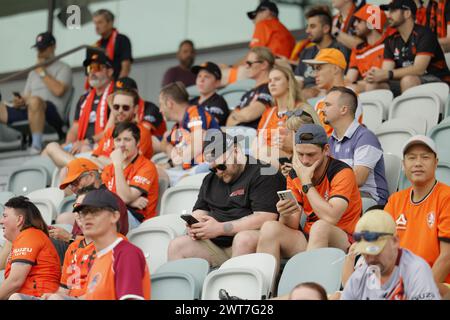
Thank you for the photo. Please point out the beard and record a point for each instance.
(96, 82)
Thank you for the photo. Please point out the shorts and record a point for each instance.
(394, 85)
(218, 254)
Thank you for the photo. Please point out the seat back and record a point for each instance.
(393, 169)
(27, 178)
(160, 157)
(44, 162)
(232, 96)
(66, 205)
(54, 195)
(177, 199)
(323, 266)
(194, 180)
(382, 96)
(173, 221)
(46, 208)
(244, 84)
(154, 242)
(5, 196)
(192, 91)
(163, 185)
(173, 286)
(441, 136)
(10, 139)
(372, 114)
(441, 89)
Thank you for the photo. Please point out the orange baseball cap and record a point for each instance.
(75, 168)
(373, 15)
(329, 56)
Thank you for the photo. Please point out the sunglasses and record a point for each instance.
(369, 236)
(125, 107)
(221, 167)
(77, 181)
(94, 67)
(250, 63)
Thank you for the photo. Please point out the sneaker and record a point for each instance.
(223, 295)
(34, 151)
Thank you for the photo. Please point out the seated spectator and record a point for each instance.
(233, 203)
(254, 102)
(91, 115)
(119, 271)
(343, 22)
(182, 72)
(389, 272)
(45, 95)
(436, 16)
(422, 212)
(329, 65)
(131, 175)
(183, 144)
(33, 265)
(308, 291)
(369, 26)
(412, 55)
(272, 142)
(208, 80)
(355, 145)
(325, 190)
(116, 45)
(318, 29)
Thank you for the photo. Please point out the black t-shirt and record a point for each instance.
(252, 191)
(216, 106)
(152, 114)
(421, 42)
(260, 94)
(90, 131)
(122, 51)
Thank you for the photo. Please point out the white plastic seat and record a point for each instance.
(177, 199)
(194, 180)
(372, 114)
(441, 89)
(54, 195)
(43, 161)
(244, 84)
(154, 242)
(367, 203)
(441, 136)
(192, 91)
(382, 96)
(10, 139)
(25, 179)
(46, 208)
(232, 96)
(66, 204)
(393, 169)
(173, 221)
(5, 196)
(56, 178)
(163, 185)
(160, 157)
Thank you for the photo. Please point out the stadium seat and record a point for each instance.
(442, 175)
(5, 196)
(160, 157)
(425, 105)
(154, 242)
(372, 114)
(382, 96)
(55, 178)
(168, 220)
(180, 279)
(244, 84)
(192, 91)
(248, 133)
(263, 262)
(232, 96)
(163, 185)
(45, 162)
(323, 266)
(66, 204)
(47, 209)
(10, 139)
(441, 89)
(441, 136)
(195, 180)
(393, 169)
(178, 199)
(367, 203)
(25, 179)
(313, 101)
(54, 195)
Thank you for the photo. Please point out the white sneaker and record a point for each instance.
(34, 151)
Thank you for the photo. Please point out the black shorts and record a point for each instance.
(394, 85)
(19, 114)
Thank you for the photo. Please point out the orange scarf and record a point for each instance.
(110, 46)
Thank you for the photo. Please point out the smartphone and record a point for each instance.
(190, 220)
(17, 94)
(283, 160)
(286, 194)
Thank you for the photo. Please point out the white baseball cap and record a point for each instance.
(420, 139)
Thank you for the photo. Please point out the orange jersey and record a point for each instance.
(34, 247)
(338, 181)
(366, 56)
(119, 272)
(271, 120)
(106, 144)
(141, 174)
(421, 226)
(77, 263)
(273, 34)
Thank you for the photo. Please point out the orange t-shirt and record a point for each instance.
(106, 144)
(271, 120)
(338, 181)
(367, 56)
(141, 174)
(273, 34)
(119, 272)
(32, 246)
(421, 226)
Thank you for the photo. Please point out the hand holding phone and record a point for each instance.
(286, 209)
(190, 220)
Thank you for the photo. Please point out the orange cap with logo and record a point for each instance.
(75, 168)
(373, 15)
(329, 56)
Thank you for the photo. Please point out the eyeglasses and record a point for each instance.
(221, 167)
(369, 236)
(125, 107)
(297, 113)
(76, 182)
(250, 63)
(94, 67)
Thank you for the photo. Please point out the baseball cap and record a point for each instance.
(378, 221)
(98, 57)
(99, 198)
(372, 14)
(263, 6)
(400, 4)
(211, 67)
(126, 84)
(329, 55)
(75, 168)
(44, 40)
(216, 143)
(419, 139)
(315, 135)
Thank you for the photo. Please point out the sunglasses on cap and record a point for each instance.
(125, 107)
(369, 236)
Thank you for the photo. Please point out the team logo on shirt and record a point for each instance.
(239, 192)
(94, 281)
(21, 251)
(401, 222)
(431, 219)
(141, 180)
(195, 122)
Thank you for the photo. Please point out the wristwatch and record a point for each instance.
(306, 187)
(42, 73)
(336, 34)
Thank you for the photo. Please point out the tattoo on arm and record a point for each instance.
(228, 227)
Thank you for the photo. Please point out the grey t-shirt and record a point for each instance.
(35, 86)
(412, 279)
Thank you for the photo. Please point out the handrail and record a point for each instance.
(50, 61)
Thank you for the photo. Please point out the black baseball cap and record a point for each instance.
(97, 56)
(272, 7)
(126, 84)
(44, 40)
(217, 142)
(400, 4)
(311, 134)
(99, 198)
(211, 67)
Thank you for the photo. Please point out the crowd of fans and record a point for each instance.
(321, 155)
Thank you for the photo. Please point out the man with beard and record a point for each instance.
(182, 72)
(319, 32)
(412, 55)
